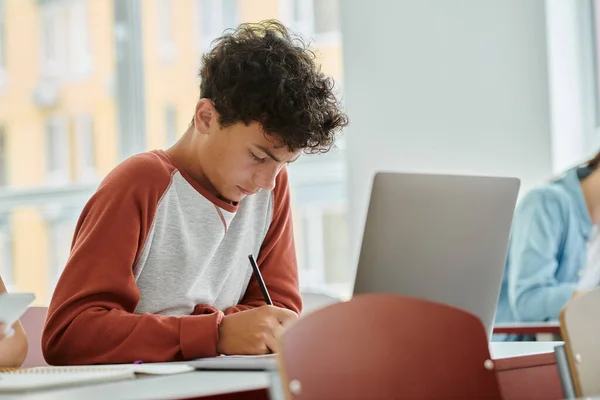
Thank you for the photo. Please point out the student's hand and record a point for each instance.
(254, 331)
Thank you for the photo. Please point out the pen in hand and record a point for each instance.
(260, 280)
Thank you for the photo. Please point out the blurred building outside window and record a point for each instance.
(215, 17)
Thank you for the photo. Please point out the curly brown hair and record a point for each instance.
(262, 72)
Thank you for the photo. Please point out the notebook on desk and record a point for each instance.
(29, 379)
(236, 363)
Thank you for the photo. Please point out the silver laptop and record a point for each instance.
(439, 237)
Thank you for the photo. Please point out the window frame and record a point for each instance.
(4, 175)
(61, 153)
(589, 23)
(7, 245)
(85, 145)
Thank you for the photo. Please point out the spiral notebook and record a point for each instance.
(53, 377)
(26, 380)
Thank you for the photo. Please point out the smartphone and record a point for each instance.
(12, 307)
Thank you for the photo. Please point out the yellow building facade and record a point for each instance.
(66, 69)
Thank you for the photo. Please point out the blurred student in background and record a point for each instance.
(553, 252)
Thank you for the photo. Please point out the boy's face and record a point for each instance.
(239, 160)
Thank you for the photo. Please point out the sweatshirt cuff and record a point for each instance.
(199, 335)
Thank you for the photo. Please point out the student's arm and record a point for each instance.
(277, 258)
(13, 349)
(90, 318)
(537, 234)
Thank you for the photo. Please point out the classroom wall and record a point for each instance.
(444, 86)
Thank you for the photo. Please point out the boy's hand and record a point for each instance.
(253, 332)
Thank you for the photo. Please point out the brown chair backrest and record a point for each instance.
(383, 346)
(531, 377)
(33, 323)
(580, 324)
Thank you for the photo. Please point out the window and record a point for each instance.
(302, 16)
(572, 81)
(3, 158)
(2, 40)
(6, 250)
(61, 223)
(586, 71)
(215, 17)
(338, 273)
(86, 156)
(65, 39)
(171, 124)
(57, 150)
(96, 83)
(62, 235)
(312, 270)
(79, 41)
(53, 44)
(593, 138)
(327, 17)
(315, 19)
(322, 245)
(166, 45)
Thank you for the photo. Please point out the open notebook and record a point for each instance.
(53, 377)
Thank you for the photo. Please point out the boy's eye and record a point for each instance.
(257, 158)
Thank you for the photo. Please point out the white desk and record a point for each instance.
(178, 386)
(207, 383)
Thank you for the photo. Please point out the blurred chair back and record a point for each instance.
(531, 377)
(383, 346)
(314, 300)
(580, 329)
(33, 323)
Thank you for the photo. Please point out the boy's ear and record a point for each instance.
(205, 116)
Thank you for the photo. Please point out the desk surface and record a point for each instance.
(207, 383)
(178, 386)
(514, 349)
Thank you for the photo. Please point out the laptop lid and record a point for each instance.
(439, 237)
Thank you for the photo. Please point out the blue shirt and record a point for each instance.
(547, 250)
